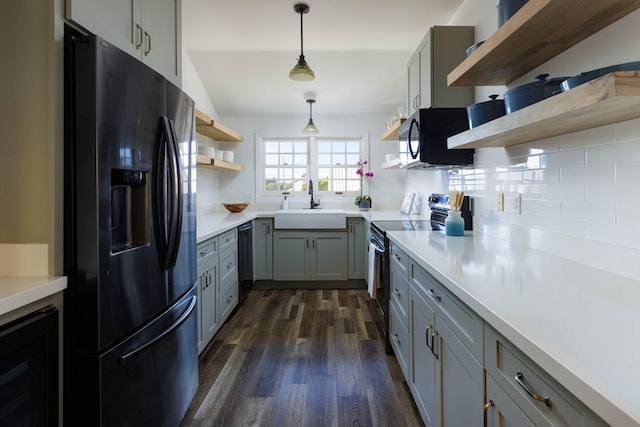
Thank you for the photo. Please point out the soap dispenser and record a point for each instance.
(285, 203)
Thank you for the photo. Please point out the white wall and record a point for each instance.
(579, 191)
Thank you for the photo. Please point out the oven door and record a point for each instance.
(380, 297)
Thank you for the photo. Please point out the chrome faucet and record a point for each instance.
(312, 203)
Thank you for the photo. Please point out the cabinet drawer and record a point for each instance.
(207, 248)
(228, 263)
(463, 321)
(228, 301)
(399, 290)
(509, 366)
(228, 239)
(399, 338)
(398, 258)
(503, 411)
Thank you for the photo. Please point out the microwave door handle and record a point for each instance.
(414, 154)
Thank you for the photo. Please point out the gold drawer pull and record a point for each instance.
(489, 405)
(433, 295)
(520, 380)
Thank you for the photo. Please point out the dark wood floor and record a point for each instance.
(301, 358)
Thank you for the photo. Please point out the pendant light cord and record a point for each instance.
(301, 33)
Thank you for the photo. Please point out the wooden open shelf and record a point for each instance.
(540, 30)
(612, 98)
(391, 134)
(208, 162)
(206, 126)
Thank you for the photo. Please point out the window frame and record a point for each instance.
(312, 140)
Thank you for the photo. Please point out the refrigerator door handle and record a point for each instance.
(175, 224)
(169, 233)
(147, 345)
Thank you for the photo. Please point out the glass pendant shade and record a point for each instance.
(310, 128)
(301, 72)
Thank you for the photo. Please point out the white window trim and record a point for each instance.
(263, 196)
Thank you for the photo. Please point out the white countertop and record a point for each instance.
(212, 224)
(578, 323)
(18, 291)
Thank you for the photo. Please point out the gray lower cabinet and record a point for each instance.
(207, 270)
(263, 249)
(357, 250)
(217, 269)
(540, 398)
(309, 255)
(447, 379)
(462, 372)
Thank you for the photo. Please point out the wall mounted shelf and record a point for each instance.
(206, 126)
(612, 98)
(391, 134)
(540, 30)
(208, 162)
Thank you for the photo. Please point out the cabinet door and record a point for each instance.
(291, 255)
(162, 37)
(329, 255)
(413, 76)
(503, 412)
(423, 362)
(208, 303)
(112, 20)
(357, 248)
(426, 75)
(263, 249)
(460, 380)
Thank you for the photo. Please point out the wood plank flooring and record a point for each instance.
(301, 358)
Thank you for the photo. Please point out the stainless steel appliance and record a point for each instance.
(245, 258)
(439, 205)
(423, 139)
(130, 241)
(29, 370)
(378, 231)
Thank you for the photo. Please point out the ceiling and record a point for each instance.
(358, 50)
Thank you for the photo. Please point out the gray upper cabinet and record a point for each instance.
(441, 50)
(150, 30)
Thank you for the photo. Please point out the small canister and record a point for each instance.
(454, 224)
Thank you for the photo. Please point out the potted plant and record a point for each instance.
(363, 201)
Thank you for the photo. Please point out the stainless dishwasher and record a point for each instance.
(245, 258)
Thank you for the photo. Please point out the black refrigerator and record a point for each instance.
(129, 242)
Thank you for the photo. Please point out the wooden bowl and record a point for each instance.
(235, 207)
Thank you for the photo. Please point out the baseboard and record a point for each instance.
(309, 284)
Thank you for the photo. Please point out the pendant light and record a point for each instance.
(310, 128)
(301, 72)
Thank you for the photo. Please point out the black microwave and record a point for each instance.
(423, 139)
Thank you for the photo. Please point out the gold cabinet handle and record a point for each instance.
(397, 292)
(520, 380)
(148, 37)
(426, 336)
(139, 28)
(489, 404)
(433, 295)
(434, 336)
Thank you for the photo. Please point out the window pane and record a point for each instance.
(271, 147)
(324, 146)
(300, 146)
(339, 159)
(324, 159)
(300, 159)
(286, 159)
(271, 159)
(286, 147)
(353, 147)
(352, 159)
(339, 146)
(300, 173)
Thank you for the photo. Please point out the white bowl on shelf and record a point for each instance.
(228, 156)
(219, 155)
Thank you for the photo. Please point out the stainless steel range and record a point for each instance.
(381, 268)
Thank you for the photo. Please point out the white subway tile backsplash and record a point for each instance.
(614, 153)
(580, 195)
(600, 212)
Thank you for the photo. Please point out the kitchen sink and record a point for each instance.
(310, 219)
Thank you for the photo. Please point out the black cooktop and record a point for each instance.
(404, 225)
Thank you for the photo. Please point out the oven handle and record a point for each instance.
(378, 248)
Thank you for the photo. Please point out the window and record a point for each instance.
(288, 165)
